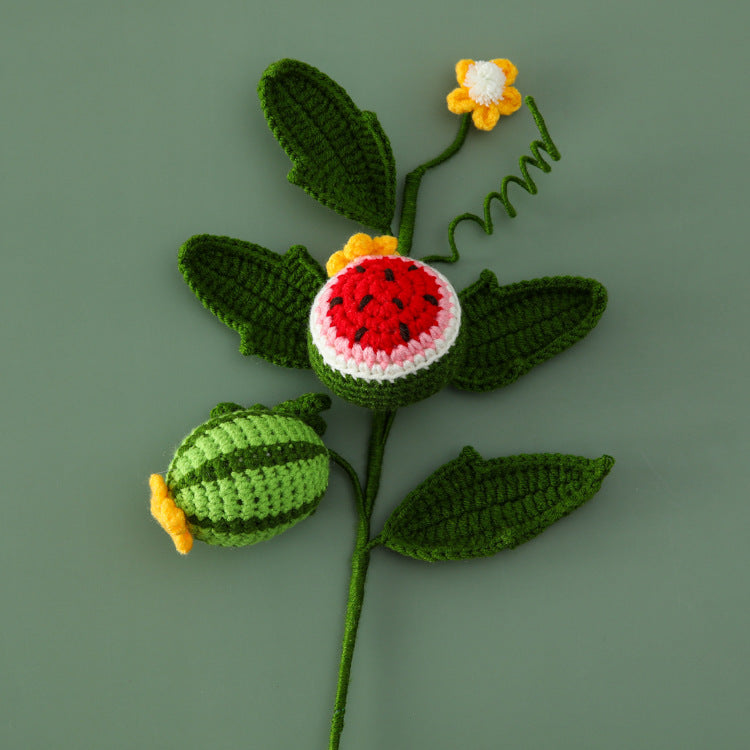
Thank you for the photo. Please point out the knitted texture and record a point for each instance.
(527, 183)
(262, 295)
(357, 246)
(247, 475)
(413, 182)
(171, 518)
(383, 331)
(473, 508)
(341, 155)
(485, 90)
(510, 329)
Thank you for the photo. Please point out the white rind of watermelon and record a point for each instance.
(365, 363)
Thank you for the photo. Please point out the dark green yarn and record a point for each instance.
(227, 407)
(240, 527)
(245, 475)
(341, 155)
(386, 395)
(365, 500)
(224, 466)
(262, 295)
(414, 180)
(306, 408)
(509, 329)
(527, 183)
(473, 508)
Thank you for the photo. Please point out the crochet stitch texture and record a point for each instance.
(385, 330)
(246, 475)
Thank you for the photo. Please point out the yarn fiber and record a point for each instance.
(384, 331)
(246, 475)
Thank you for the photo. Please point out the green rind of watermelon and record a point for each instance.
(384, 394)
(246, 475)
(233, 535)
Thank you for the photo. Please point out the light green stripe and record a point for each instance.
(231, 435)
(279, 489)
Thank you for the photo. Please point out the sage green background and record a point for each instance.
(126, 128)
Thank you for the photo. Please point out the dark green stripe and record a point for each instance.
(249, 458)
(213, 423)
(240, 526)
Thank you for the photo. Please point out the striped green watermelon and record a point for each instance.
(245, 475)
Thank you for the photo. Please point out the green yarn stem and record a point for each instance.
(527, 183)
(413, 181)
(381, 425)
(352, 474)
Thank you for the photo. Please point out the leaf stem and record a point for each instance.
(381, 425)
(347, 467)
(413, 181)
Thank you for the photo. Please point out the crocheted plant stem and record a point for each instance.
(381, 425)
(527, 183)
(414, 180)
(352, 474)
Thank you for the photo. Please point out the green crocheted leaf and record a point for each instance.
(307, 409)
(341, 155)
(473, 508)
(262, 295)
(509, 329)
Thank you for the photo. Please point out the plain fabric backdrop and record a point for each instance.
(128, 127)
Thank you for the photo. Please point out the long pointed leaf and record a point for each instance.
(509, 329)
(341, 155)
(264, 296)
(473, 508)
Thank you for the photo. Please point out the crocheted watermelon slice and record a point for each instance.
(383, 331)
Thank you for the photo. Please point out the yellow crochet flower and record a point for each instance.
(359, 245)
(171, 518)
(485, 91)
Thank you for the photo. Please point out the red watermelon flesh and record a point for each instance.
(384, 316)
(384, 302)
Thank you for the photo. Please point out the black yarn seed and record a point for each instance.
(412, 267)
(367, 298)
(389, 274)
(335, 301)
(360, 269)
(361, 332)
(404, 331)
(430, 299)
(399, 304)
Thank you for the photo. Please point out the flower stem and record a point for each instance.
(347, 467)
(413, 181)
(381, 425)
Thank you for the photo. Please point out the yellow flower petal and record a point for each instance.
(171, 518)
(459, 101)
(485, 118)
(357, 246)
(510, 102)
(461, 67)
(385, 245)
(336, 263)
(510, 70)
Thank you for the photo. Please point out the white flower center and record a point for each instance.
(485, 82)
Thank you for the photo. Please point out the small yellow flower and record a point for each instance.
(171, 518)
(485, 91)
(359, 245)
